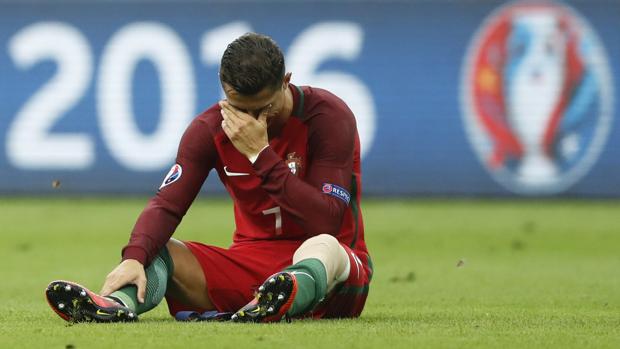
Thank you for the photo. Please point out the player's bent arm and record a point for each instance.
(153, 229)
(332, 143)
(158, 221)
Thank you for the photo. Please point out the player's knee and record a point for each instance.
(329, 241)
(174, 247)
(322, 244)
(324, 238)
(172, 243)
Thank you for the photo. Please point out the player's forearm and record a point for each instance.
(152, 231)
(195, 158)
(319, 213)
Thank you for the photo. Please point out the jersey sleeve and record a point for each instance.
(318, 201)
(195, 158)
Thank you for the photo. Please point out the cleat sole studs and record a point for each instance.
(61, 306)
(261, 288)
(280, 297)
(270, 310)
(83, 293)
(272, 281)
(68, 288)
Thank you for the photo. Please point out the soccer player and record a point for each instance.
(289, 157)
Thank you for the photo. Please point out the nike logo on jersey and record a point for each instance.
(234, 174)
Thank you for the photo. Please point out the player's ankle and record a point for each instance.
(116, 300)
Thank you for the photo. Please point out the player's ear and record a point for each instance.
(286, 81)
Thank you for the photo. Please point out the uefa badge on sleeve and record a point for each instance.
(536, 96)
(336, 191)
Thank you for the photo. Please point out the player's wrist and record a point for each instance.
(135, 253)
(254, 157)
(132, 261)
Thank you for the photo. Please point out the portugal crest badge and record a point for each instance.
(293, 162)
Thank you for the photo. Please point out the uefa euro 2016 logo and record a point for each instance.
(537, 96)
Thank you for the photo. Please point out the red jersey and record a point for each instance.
(306, 182)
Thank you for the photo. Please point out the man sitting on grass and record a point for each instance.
(289, 157)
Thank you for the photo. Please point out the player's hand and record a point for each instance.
(130, 271)
(248, 135)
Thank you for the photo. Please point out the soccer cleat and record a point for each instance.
(272, 300)
(75, 303)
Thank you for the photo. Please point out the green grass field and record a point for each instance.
(448, 273)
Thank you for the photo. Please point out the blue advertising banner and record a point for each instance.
(464, 98)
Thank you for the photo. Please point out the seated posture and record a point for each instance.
(289, 157)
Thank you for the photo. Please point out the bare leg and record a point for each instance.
(188, 284)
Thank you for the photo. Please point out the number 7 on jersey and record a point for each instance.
(276, 210)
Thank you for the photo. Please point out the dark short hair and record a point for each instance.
(251, 63)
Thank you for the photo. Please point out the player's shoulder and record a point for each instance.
(321, 105)
(211, 117)
(201, 130)
(208, 122)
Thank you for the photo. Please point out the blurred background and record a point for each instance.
(465, 98)
(470, 113)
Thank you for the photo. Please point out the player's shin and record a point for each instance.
(320, 264)
(311, 280)
(158, 273)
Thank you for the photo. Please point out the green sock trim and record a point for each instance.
(311, 285)
(158, 273)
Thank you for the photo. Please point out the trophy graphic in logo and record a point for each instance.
(534, 75)
(537, 96)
